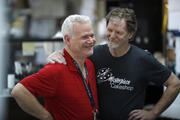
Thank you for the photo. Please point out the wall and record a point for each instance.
(174, 24)
(3, 38)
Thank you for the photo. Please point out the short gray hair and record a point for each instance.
(67, 26)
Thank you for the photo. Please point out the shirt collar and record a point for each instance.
(70, 64)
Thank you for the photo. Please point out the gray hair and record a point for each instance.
(124, 13)
(67, 26)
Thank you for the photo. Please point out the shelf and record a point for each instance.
(36, 39)
(5, 93)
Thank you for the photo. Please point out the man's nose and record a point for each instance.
(112, 35)
(91, 39)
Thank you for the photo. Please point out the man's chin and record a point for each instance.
(89, 53)
(113, 46)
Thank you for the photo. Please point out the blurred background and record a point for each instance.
(30, 31)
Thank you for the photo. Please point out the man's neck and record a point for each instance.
(118, 52)
(80, 60)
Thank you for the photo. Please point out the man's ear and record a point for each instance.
(67, 39)
(131, 35)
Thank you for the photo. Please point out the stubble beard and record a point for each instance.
(113, 46)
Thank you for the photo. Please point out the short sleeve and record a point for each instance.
(43, 83)
(154, 71)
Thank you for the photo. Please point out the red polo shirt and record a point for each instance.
(63, 90)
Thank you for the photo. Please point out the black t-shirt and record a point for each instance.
(121, 81)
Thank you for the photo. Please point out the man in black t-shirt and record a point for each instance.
(123, 71)
(122, 83)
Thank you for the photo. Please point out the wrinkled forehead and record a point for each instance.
(82, 28)
(117, 25)
(116, 20)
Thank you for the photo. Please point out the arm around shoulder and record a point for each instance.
(57, 56)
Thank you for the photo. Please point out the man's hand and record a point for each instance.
(56, 56)
(47, 117)
(141, 115)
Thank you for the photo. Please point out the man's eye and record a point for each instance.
(85, 37)
(109, 30)
(92, 36)
(118, 32)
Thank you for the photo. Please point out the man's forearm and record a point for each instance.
(29, 103)
(166, 99)
(171, 92)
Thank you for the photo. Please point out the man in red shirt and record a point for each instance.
(69, 91)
